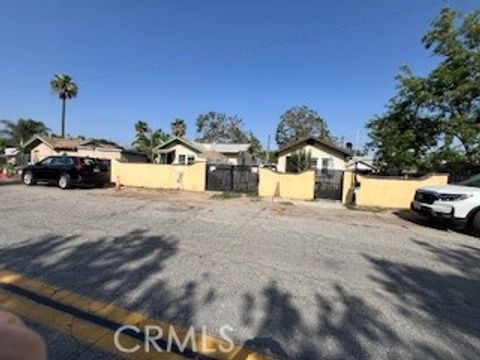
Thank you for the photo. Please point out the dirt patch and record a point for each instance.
(210, 201)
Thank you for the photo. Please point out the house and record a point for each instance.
(325, 155)
(42, 146)
(177, 150)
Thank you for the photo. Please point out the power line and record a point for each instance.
(246, 50)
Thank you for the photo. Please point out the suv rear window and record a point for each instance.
(61, 161)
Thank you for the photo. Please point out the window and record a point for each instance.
(325, 163)
(299, 162)
(290, 165)
(191, 159)
(56, 161)
(163, 158)
(61, 161)
(181, 159)
(46, 161)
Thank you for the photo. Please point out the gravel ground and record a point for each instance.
(297, 280)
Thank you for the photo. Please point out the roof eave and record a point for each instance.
(298, 142)
(181, 140)
(38, 138)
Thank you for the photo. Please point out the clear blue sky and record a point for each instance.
(345, 70)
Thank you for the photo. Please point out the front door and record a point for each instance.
(171, 157)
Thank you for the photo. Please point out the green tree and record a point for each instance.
(211, 127)
(299, 161)
(434, 120)
(19, 132)
(299, 122)
(147, 139)
(178, 128)
(257, 148)
(404, 136)
(66, 89)
(3, 145)
(221, 128)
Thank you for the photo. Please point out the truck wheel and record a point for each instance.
(475, 224)
(64, 182)
(28, 178)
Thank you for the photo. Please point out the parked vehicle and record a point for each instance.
(458, 204)
(66, 172)
(270, 166)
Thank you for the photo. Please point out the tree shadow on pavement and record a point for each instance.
(127, 271)
(446, 302)
(340, 323)
(440, 307)
(340, 329)
(124, 270)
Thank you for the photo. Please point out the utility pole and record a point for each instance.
(268, 149)
(357, 140)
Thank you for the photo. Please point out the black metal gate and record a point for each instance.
(328, 184)
(232, 178)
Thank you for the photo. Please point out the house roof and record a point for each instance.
(227, 148)
(314, 140)
(58, 143)
(191, 144)
(212, 155)
(205, 147)
(54, 142)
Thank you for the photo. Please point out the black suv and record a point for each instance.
(67, 171)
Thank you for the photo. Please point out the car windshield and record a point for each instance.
(46, 161)
(473, 181)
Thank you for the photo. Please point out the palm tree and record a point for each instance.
(18, 133)
(141, 127)
(147, 139)
(179, 128)
(65, 88)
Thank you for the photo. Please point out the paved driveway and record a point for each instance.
(306, 281)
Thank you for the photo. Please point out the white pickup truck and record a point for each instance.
(457, 204)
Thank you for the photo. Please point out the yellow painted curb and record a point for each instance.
(98, 335)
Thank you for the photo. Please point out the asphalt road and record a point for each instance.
(299, 281)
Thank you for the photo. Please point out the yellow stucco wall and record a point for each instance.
(158, 176)
(292, 186)
(336, 160)
(347, 187)
(388, 192)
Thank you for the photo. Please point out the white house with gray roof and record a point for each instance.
(178, 150)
